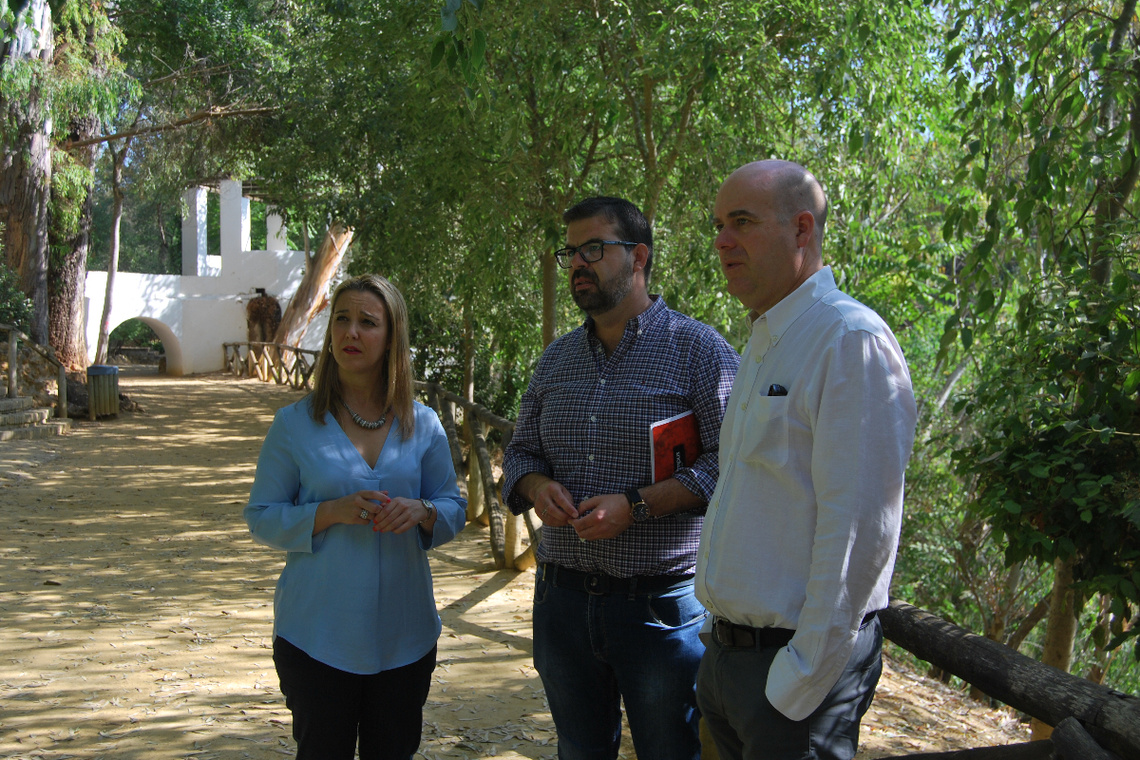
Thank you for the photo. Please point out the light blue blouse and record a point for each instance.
(352, 598)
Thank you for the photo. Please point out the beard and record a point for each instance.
(603, 297)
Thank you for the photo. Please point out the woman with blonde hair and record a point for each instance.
(355, 482)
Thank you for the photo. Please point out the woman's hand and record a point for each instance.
(400, 515)
(358, 508)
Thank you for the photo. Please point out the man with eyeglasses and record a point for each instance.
(615, 619)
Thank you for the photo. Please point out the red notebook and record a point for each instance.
(673, 444)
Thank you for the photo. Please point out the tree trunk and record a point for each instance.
(549, 298)
(1028, 623)
(476, 503)
(68, 282)
(1060, 630)
(118, 158)
(25, 163)
(312, 293)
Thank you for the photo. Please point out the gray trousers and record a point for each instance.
(745, 725)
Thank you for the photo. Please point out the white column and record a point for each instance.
(194, 233)
(234, 220)
(274, 231)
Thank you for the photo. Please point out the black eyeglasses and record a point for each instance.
(590, 252)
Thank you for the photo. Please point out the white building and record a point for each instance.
(196, 312)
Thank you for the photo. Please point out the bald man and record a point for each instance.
(799, 541)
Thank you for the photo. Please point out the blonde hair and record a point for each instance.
(397, 373)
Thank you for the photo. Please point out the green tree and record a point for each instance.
(1050, 103)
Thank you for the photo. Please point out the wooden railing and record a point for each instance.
(1093, 722)
(484, 492)
(271, 362)
(14, 336)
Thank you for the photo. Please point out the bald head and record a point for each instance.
(769, 219)
(791, 190)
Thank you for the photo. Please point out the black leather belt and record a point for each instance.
(601, 583)
(729, 634)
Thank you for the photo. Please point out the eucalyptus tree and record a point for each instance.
(1050, 108)
(26, 47)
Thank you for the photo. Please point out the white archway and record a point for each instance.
(171, 346)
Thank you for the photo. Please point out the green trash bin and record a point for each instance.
(102, 390)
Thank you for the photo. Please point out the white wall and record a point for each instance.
(202, 311)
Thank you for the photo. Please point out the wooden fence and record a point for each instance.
(271, 362)
(1093, 722)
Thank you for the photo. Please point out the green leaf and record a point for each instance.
(1012, 507)
(1131, 382)
(1039, 470)
(478, 49)
(952, 56)
(967, 338)
(438, 51)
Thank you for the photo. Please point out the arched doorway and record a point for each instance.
(149, 332)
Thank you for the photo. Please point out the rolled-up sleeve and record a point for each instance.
(713, 368)
(524, 455)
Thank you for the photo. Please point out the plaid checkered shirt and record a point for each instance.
(584, 421)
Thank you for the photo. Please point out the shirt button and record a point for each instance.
(757, 359)
(744, 405)
(591, 457)
(602, 381)
(593, 418)
(639, 332)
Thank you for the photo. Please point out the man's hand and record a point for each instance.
(603, 516)
(553, 503)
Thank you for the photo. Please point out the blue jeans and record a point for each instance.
(746, 726)
(595, 650)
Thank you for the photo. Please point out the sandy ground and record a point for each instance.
(135, 611)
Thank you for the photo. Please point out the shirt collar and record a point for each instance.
(642, 321)
(787, 311)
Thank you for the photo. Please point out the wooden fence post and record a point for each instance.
(13, 358)
(1072, 742)
(476, 498)
(494, 511)
(446, 411)
(61, 403)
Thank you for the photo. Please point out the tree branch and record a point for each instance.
(209, 113)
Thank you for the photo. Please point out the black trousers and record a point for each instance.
(333, 709)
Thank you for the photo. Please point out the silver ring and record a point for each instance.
(544, 511)
(364, 514)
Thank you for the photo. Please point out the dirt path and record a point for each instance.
(135, 611)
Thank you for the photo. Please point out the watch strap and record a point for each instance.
(638, 508)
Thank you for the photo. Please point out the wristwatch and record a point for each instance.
(430, 509)
(637, 506)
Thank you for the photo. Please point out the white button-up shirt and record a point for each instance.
(802, 529)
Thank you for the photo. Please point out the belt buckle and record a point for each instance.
(722, 631)
(597, 584)
(730, 634)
